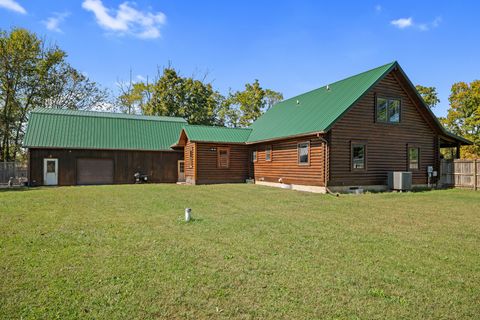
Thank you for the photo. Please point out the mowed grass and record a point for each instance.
(251, 252)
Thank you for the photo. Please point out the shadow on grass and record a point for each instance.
(414, 190)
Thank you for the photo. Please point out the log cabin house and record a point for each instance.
(350, 133)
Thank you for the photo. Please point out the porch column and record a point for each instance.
(457, 155)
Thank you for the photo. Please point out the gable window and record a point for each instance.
(223, 157)
(254, 156)
(303, 153)
(413, 158)
(388, 110)
(358, 151)
(268, 153)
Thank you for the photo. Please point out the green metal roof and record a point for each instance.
(54, 128)
(101, 114)
(311, 112)
(217, 134)
(317, 110)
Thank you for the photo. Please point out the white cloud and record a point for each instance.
(13, 6)
(53, 23)
(378, 8)
(126, 19)
(423, 27)
(140, 78)
(402, 23)
(436, 22)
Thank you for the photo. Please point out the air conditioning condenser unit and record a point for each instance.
(400, 180)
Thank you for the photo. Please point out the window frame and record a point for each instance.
(308, 153)
(219, 149)
(413, 146)
(388, 98)
(254, 155)
(356, 143)
(269, 149)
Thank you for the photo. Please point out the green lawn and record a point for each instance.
(123, 252)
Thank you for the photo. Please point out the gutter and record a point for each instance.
(287, 137)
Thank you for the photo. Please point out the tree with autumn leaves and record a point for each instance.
(463, 117)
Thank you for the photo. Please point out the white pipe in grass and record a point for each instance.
(188, 214)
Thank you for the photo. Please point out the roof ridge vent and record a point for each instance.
(298, 102)
(328, 87)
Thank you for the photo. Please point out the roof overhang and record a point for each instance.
(449, 140)
(443, 133)
(288, 137)
(99, 149)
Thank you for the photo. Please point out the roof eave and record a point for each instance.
(224, 142)
(287, 137)
(90, 148)
(460, 139)
(437, 122)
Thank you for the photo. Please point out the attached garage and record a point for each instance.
(94, 171)
(70, 147)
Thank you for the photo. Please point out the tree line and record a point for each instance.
(171, 94)
(34, 74)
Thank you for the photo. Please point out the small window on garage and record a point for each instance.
(223, 157)
(254, 156)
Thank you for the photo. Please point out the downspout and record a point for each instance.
(326, 166)
(29, 174)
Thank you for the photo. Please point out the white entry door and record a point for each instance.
(181, 171)
(50, 172)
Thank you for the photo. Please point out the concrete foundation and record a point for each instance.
(297, 187)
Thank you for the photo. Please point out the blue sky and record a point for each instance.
(290, 46)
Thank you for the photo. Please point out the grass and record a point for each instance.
(123, 252)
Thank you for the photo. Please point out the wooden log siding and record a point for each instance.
(160, 166)
(190, 166)
(208, 170)
(284, 162)
(386, 143)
